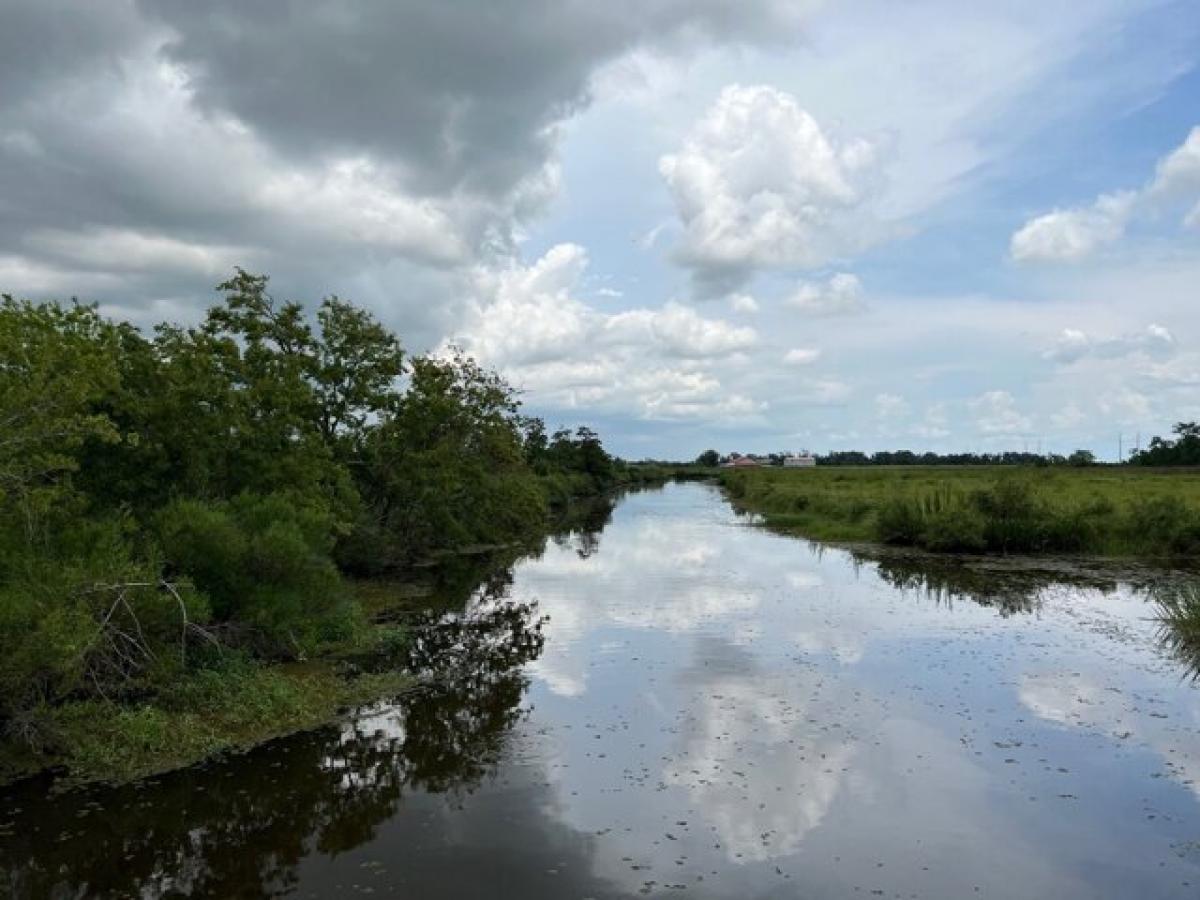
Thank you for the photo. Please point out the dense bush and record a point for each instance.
(262, 562)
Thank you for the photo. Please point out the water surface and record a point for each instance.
(674, 702)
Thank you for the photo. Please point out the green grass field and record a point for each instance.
(1095, 510)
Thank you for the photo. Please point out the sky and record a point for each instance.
(751, 225)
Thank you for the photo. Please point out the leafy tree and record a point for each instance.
(1183, 450)
(358, 362)
(708, 458)
(55, 363)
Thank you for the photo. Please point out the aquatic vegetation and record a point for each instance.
(1178, 612)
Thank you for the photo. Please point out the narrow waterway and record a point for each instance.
(677, 703)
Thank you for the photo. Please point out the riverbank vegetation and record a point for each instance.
(182, 508)
(1126, 511)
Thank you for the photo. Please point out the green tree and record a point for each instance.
(55, 363)
(358, 362)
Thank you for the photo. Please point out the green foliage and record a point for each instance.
(263, 562)
(81, 615)
(1182, 450)
(708, 458)
(170, 498)
(55, 363)
(1167, 523)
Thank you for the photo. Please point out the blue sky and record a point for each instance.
(750, 225)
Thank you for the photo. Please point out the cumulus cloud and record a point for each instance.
(1178, 174)
(382, 147)
(996, 413)
(1070, 235)
(802, 356)
(529, 322)
(840, 295)
(1073, 345)
(743, 303)
(758, 183)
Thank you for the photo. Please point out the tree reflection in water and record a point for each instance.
(240, 826)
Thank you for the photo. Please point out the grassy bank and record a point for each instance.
(204, 715)
(1128, 512)
(225, 701)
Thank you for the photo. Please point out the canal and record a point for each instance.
(674, 702)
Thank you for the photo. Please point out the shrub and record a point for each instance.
(1013, 517)
(900, 522)
(1164, 525)
(82, 617)
(954, 530)
(264, 562)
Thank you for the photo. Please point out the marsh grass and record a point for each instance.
(1110, 512)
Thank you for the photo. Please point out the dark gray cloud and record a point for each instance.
(458, 94)
(146, 146)
(44, 42)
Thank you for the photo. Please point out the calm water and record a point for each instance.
(675, 703)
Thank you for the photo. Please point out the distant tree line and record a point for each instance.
(912, 458)
(165, 494)
(1182, 450)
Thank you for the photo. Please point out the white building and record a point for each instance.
(800, 461)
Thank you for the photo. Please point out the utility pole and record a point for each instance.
(1120, 449)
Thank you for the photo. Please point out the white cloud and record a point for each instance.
(1178, 174)
(680, 331)
(743, 303)
(996, 413)
(528, 313)
(840, 295)
(652, 363)
(1073, 345)
(759, 184)
(802, 356)
(1069, 235)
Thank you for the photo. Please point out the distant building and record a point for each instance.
(802, 461)
(740, 462)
